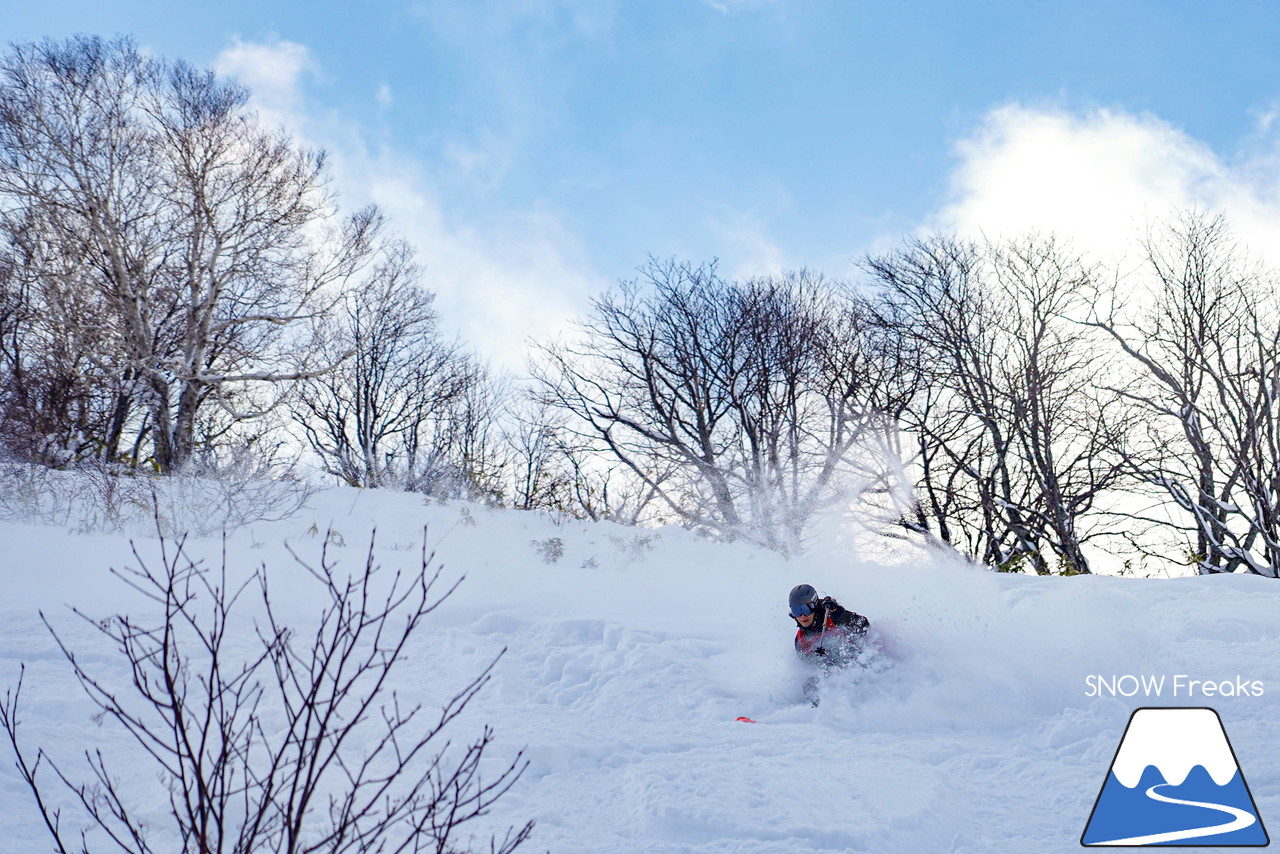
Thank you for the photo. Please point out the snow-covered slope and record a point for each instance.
(631, 655)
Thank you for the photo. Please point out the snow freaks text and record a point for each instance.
(1178, 685)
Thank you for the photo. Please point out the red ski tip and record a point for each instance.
(747, 720)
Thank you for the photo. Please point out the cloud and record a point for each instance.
(752, 250)
(500, 278)
(514, 276)
(1102, 178)
(532, 23)
(514, 76)
(727, 6)
(273, 71)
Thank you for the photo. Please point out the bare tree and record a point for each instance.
(184, 248)
(1016, 449)
(603, 488)
(369, 418)
(553, 467)
(542, 475)
(1205, 342)
(56, 405)
(463, 455)
(743, 407)
(299, 746)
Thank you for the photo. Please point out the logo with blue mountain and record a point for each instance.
(1175, 781)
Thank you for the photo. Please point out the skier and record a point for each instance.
(828, 635)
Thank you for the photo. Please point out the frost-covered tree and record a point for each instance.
(183, 249)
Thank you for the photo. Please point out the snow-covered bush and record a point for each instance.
(206, 496)
(213, 494)
(93, 497)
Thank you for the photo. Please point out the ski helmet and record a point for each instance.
(803, 600)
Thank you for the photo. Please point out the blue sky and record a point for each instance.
(538, 151)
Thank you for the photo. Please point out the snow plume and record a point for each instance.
(862, 521)
(1102, 177)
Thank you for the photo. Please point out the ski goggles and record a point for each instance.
(801, 610)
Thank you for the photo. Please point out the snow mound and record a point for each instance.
(630, 653)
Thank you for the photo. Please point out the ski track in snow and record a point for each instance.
(629, 660)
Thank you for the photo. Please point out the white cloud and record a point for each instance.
(272, 70)
(499, 280)
(484, 158)
(752, 251)
(540, 24)
(1102, 178)
(727, 6)
(383, 96)
(514, 78)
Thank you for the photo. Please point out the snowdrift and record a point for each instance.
(631, 652)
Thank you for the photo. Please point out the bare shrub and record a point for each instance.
(209, 494)
(550, 550)
(224, 492)
(93, 497)
(298, 745)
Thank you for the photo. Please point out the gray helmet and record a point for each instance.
(803, 600)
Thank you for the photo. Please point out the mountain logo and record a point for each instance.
(1175, 781)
